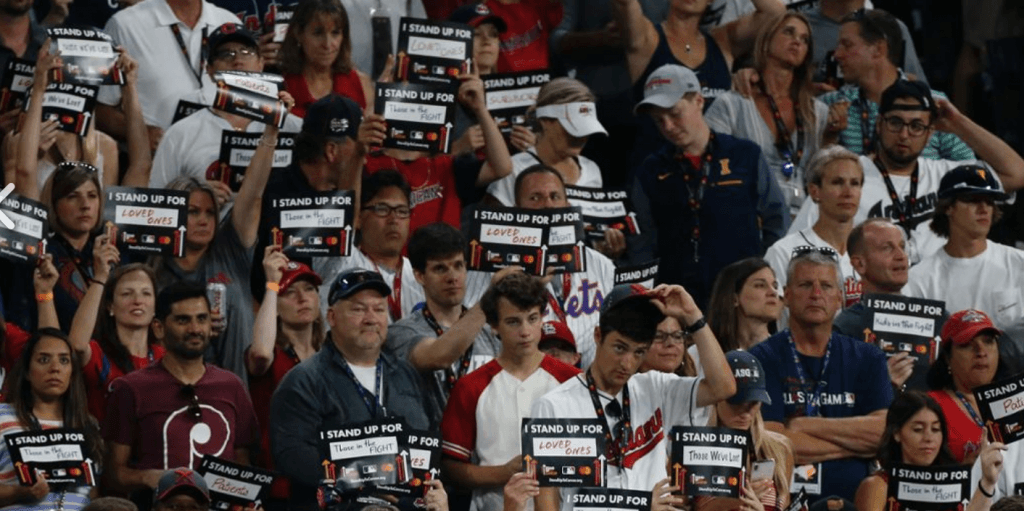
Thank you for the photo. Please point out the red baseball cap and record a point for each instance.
(557, 332)
(965, 325)
(295, 271)
(475, 15)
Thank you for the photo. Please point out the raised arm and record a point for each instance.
(1007, 164)
(140, 158)
(737, 37)
(44, 280)
(469, 475)
(27, 163)
(245, 215)
(499, 161)
(83, 325)
(638, 33)
(264, 333)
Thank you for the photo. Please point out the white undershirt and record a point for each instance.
(367, 377)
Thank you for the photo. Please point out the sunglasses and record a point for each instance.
(68, 166)
(810, 249)
(194, 408)
(344, 285)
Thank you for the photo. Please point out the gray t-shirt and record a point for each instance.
(414, 329)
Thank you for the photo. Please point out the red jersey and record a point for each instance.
(432, 179)
(345, 84)
(524, 46)
(99, 371)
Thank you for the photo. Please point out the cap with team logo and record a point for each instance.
(965, 325)
(226, 33)
(750, 378)
(557, 333)
(579, 118)
(666, 86)
(971, 179)
(294, 271)
(182, 480)
(621, 293)
(475, 15)
(333, 116)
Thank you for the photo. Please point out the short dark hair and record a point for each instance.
(940, 376)
(855, 241)
(434, 241)
(940, 219)
(374, 183)
(539, 168)
(636, 320)
(177, 292)
(878, 25)
(522, 290)
(111, 504)
(1009, 503)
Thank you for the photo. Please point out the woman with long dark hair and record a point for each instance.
(45, 392)
(916, 434)
(111, 330)
(744, 304)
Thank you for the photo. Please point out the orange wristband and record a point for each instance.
(274, 286)
(44, 297)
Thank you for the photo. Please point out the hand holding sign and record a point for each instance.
(749, 498)
(519, 490)
(40, 488)
(128, 66)
(274, 263)
(104, 257)
(662, 498)
(471, 92)
(436, 498)
(901, 366)
(991, 462)
(44, 63)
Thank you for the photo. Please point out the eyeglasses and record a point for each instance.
(194, 407)
(383, 210)
(343, 286)
(811, 249)
(670, 338)
(895, 125)
(245, 53)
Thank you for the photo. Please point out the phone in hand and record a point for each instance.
(763, 469)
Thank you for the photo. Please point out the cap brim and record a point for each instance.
(312, 277)
(659, 100)
(967, 335)
(376, 285)
(580, 127)
(493, 20)
(750, 395)
(192, 490)
(998, 195)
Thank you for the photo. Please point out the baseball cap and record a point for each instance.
(666, 86)
(475, 15)
(557, 332)
(903, 89)
(297, 271)
(622, 293)
(833, 503)
(333, 116)
(749, 375)
(182, 480)
(970, 179)
(965, 325)
(579, 118)
(229, 32)
(350, 282)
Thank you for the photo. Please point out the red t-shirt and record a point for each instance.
(261, 388)
(432, 180)
(964, 433)
(345, 84)
(148, 410)
(99, 374)
(524, 46)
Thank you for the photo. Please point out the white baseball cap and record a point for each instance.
(578, 118)
(666, 86)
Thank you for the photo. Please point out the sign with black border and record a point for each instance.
(610, 499)
(645, 274)
(564, 452)
(70, 105)
(901, 324)
(602, 210)
(250, 95)
(916, 488)
(87, 55)
(433, 51)
(233, 486)
(535, 239)
(27, 241)
(185, 109)
(364, 455)
(16, 83)
(312, 225)
(419, 116)
(60, 454)
(709, 462)
(236, 150)
(509, 95)
(1001, 405)
(421, 453)
(150, 221)
(282, 16)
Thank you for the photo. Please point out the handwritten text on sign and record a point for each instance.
(573, 447)
(713, 456)
(414, 112)
(219, 483)
(49, 453)
(61, 100)
(1008, 406)
(419, 459)
(364, 447)
(242, 157)
(916, 492)
(523, 236)
(84, 48)
(511, 98)
(903, 324)
(302, 218)
(441, 48)
(26, 225)
(136, 215)
(562, 235)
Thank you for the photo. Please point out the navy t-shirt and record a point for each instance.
(856, 384)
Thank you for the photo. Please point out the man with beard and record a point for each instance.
(172, 413)
(899, 182)
(349, 381)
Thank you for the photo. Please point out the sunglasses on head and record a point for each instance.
(68, 166)
(810, 249)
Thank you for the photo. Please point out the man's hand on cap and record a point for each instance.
(674, 301)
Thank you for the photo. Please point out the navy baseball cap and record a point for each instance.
(475, 15)
(333, 116)
(750, 378)
(350, 282)
(226, 33)
(971, 179)
(903, 89)
(622, 293)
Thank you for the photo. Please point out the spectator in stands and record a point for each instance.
(316, 56)
(970, 272)
(829, 392)
(181, 489)
(908, 114)
(342, 384)
(743, 412)
(557, 341)
(744, 306)
(1006, 492)
(637, 406)
(733, 205)
(968, 357)
(679, 41)
(915, 436)
(443, 340)
(782, 116)
(12, 337)
(173, 412)
(111, 331)
(834, 182)
(288, 330)
(668, 351)
(383, 223)
(111, 504)
(26, 38)
(482, 423)
(524, 47)
(168, 37)
(45, 392)
(869, 52)
(191, 146)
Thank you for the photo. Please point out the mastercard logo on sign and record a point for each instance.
(733, 481)
(431, 136)
(388, 467)
(585, 471)
(74, 471)
(921, 348)
(566, 258)
(416, 482)
(67, 119)
(164, 240)
(332, 240)
(528, 259)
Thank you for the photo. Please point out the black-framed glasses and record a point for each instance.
(194, 407)
(342, 286)
(895, 125)
(670, 338)
(245, 53)
(383, 210)
(811, 249)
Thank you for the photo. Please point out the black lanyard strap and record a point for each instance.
(616, 446)
(783, 144)
(696, 181)
(451, 376)
(374, 403)
(904, 210)
(203, 53)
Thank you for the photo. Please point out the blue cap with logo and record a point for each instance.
(750, 378)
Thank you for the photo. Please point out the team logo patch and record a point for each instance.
(339, 125)
(973, 316)
(482, 10)
(724, 162)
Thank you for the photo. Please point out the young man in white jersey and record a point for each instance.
(639, 408)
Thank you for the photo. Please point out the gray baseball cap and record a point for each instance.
(666, 86)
